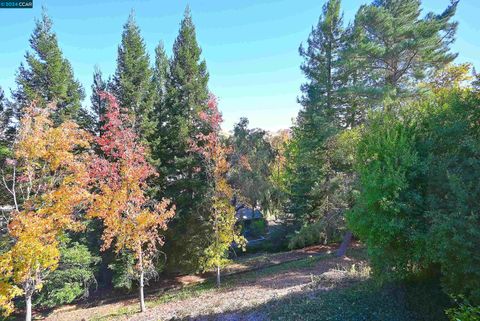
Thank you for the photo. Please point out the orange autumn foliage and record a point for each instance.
(48, 185)
(132, 222)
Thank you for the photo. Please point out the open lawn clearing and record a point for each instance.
(240, 292)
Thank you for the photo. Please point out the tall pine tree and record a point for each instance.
(132, 85)
(98, 105)
(183, 171)
(159, 141)
(355, 95)
(7, 132)
(161, 73)
(321, 61)
(7, 129)
(48, 77)
(320, 116)
(398, 48)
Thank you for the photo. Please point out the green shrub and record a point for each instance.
(464, 312)
(321, 232)
(387, 167)
(73, 278)
(276, 240)
(123, 270)
(419, 191)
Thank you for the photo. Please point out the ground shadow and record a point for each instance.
(364, 301)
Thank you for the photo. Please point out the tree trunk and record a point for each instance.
(329, 77)
(28, 310)
(140, 288)
(218, 275)
(345, 243)
(142, 299)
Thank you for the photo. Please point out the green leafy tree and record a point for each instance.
(464, 311)
(277, 195)
(418, 202)
(449, 146)
(250, 164)
(48, 77)
(451, 76)
(388, 201)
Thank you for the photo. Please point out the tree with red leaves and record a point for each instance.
(132, 221)
(214, 154)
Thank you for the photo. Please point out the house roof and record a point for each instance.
(246, 213)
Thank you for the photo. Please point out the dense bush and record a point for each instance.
(277, 239)
(321, 232)
(387, 165)
(123, 273)
(419, 193)
(464, 312)
(73, 278)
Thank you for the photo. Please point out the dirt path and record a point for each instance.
(272, 278)
(250, 293)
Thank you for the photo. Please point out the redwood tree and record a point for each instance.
(132, 222)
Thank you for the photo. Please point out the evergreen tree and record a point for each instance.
(307, 164)
(321, 61)
(321, 114)
(183, 171)
(131, 83)
(189, 76)
(7, 129)
(398, 48)
(160, 75)
(159, 141)
(355, 93)
(98, 105)
(7, 132)
(48, 77)
(73, 278)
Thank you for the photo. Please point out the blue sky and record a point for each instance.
(251, 46)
